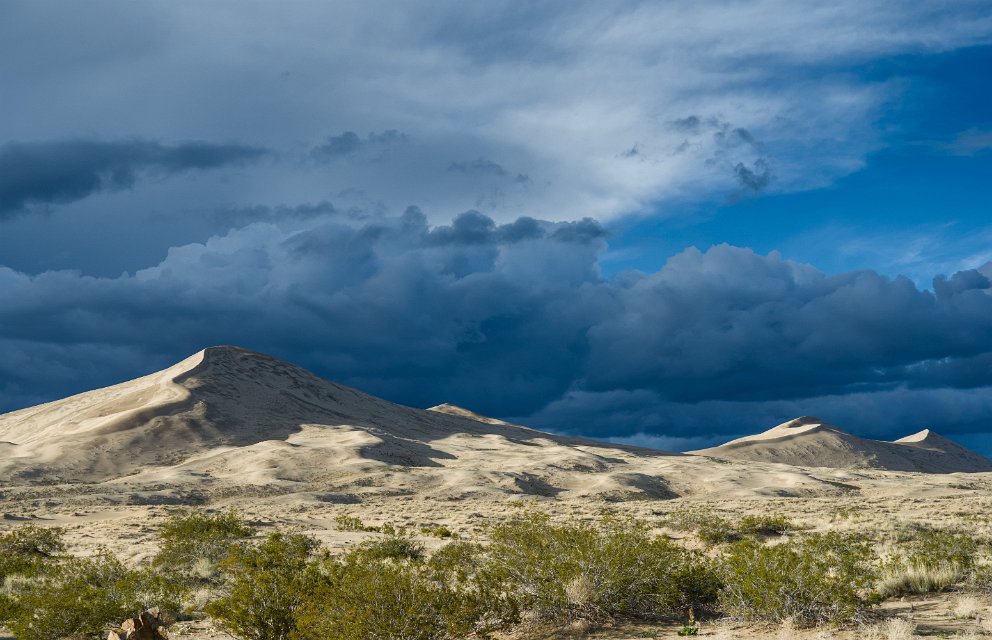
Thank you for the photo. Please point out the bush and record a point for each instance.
(80, 598)
(713, 529)
(189, 537)
(25, 551)
(821, 578)
(391, 548)
(265, 587)
(377, 598)
(764, 526)
(614, 570)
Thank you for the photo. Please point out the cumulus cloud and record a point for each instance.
(44, 173)
(517, 319)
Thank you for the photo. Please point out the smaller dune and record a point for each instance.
(810, 442)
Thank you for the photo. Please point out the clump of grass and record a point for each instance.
(820, 578)
(192, 543)
(902, 578)
(928, 560)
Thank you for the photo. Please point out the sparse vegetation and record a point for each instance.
(550, 573)
(714, 529)
(266, 586)
(820, 578)
(25, 551)
(193, 543)
(563, 572)
(81, 597)
(927, 560)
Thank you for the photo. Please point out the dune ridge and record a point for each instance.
(810, 442)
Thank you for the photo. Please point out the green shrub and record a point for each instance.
(764, 526)
(191, 537)
(391, 548)
(265, 586)
(80, 598)
(821, 578)
(714, 529)
(709, 527)
(25, 551)
(438, 532)
(349, 523)
(583, 571)
(377, 598)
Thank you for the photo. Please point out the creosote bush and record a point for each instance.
(266, 586)
(565, 572)
(820, 578)
(81, 597)
(190, 538)
(27, 550)
(714, 529)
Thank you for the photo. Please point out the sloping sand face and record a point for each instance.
(810, 442)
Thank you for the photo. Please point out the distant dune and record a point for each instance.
(810, 442)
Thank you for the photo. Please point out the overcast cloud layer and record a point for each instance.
(418, 199)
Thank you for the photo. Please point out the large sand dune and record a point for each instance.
(810, 442)
(227, 421)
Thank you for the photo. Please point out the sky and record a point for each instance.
(667, 224)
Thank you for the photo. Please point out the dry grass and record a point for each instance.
(912, 578)
(967, 608)
(892, 629)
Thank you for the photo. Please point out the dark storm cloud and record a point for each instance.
(46, 173)
(516, 319)
(756, 177)
(349, 143)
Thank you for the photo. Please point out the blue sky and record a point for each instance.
(663, 223)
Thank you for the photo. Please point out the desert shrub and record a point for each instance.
(391, 548)
(709, 527)
(820, 578)
(617, 569)
(265, 586)
(81, 597)
(714, 529)
(763, 526)
(438, 532)
(189, 538)
(25, 551)
(365, 597)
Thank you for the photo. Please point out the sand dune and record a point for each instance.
(810, 442)
(227, 421)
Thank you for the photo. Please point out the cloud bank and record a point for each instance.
(46, 173)
(516, 319)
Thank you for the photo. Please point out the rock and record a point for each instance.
(146, 626)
